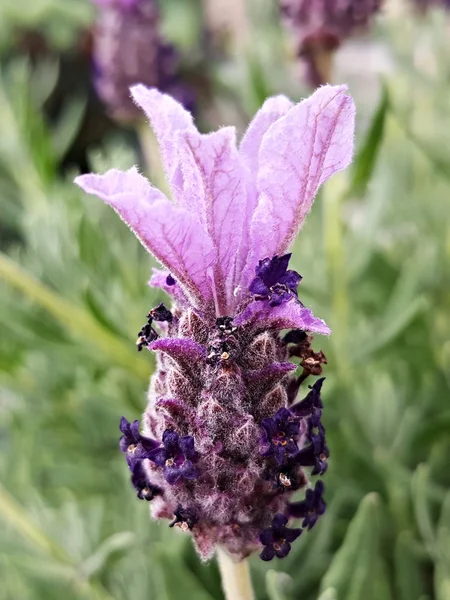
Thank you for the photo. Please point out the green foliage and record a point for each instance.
(375, 257)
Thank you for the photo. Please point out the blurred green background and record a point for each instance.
(375, 257)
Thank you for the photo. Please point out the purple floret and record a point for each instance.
(176, 457)
(274, 282)
(277, 538)
(280, 434)
(133, 444)
(311, 508)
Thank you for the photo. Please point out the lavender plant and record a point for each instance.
(129, 47)
(225, 441)
(318, 27)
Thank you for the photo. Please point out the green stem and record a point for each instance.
(236, 581)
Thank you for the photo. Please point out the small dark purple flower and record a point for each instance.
(274, 282)
(296, 336)
(280, 433)
(176, 457)
(146, 336)
(160, 313)
(185, 518)
(141, 483)
(311, 508)
(287, 477)
(277, 538)
(170, 280)
(135, 445)
(311, 402)
(315, 454)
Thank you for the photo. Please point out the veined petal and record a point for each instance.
(290, 315)
(166, 116)
(298, 153)
(272, 109)
(117, 186)
(215, 184)
(173, 235)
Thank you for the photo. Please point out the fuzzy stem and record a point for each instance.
(236, 582)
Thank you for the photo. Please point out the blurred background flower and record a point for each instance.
(375, 257)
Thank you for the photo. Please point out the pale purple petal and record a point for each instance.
(159, 280)
(290, 315)
(114, 186)
(173, 235)
(167, 116)
(298, 153)
(272, 109)
(215, 184)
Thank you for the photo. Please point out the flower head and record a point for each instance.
(277, 538)
(223, 399)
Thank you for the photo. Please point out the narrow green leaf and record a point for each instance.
(420, 487)
(366, 158)
(408, 576)
(64, 132)
(117, 542)
(352, 568)
(74, 318)
(178, 580)
(277, 583)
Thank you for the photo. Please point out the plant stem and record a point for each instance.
(236, 582)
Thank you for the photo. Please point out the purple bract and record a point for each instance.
(235, 443)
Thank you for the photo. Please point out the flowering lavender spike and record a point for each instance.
(318, 27)
(232, 450)
(129, 48)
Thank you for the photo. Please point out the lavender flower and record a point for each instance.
(176, 457)
(422, 6)
(277, 538)
(141, 483)
(234, 442)
(128, 49)
(318, 27)
(311, 508)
